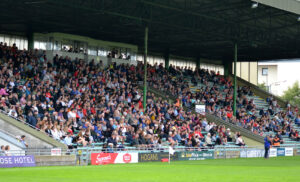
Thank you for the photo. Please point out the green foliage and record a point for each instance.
(292, 94)
(262, 86)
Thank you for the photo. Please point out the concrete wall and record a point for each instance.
(34, 138)
(67, 160)
(270, 78)
(246, 71)
(32, 141)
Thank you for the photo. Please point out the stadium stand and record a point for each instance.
(84, 104)
(255, 114)
(81, 104)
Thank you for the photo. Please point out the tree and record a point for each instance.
(262, 86)
(292, 94)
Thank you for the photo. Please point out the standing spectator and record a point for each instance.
(267, 146)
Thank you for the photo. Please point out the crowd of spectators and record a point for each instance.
(77, 102)
(217, 95)
(5, 150)
(81, 103)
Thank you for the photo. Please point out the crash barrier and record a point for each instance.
(93, 156)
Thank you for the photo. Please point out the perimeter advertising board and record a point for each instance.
(113, 158)
(280, 151)
(196, 155)
(273, 152)
(152, 157)
(17, 161)
(289, 151)
(250, 153)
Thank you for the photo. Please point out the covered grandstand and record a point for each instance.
(75, 70)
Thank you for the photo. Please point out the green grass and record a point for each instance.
(237, 170)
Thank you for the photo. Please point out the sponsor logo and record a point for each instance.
(280, 152)
(101, 160)
(289, 151)
(127, 158)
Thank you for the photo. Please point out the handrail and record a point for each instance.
(31, 130)
(214, 118)
(260, 92)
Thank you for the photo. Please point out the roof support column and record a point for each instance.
(30, 40)
(145, 68)
(167, 59)
(235, 85)
(198, 62)
(227, 67)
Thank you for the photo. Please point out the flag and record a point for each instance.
(171, 151)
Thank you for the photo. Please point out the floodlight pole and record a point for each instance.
(235, 85)
(145, 68)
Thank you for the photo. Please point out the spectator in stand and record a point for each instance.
(68, 140)
(7, 150)
(2, 149)
(240, 141)
(22, 140)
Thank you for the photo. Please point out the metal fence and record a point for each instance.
(83, 155)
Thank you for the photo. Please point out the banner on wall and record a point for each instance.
(252, 153)
(289, 151)
(17, 161)
(280, 151)
(273, 152)
(113, 158)
(158, 156)
(196, 155)
(200, 109)
(56, 151)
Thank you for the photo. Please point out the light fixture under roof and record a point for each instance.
(254, 5)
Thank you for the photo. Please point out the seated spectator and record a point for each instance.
(240, 141)
(208, 141)
(7, 150)
(276, 141)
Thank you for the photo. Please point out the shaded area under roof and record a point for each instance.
(190, 28)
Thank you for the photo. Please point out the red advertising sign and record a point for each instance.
(103, 158)
(127, 158)
(113, 158)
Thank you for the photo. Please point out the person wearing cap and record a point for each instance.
(268, 141)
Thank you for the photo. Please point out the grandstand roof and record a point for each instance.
(193, 28)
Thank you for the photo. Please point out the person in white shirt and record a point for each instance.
(55, 133)
(72, 114)
(239, 141)
(6, 151)
(68, 141)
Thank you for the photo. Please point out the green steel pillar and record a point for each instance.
(167, 59)
(145, 68)
(30, 40)
(197, 63)
(226, 67)
(235, 85)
